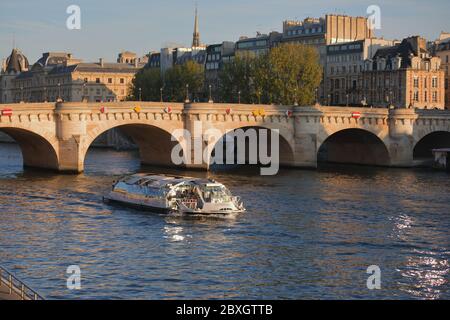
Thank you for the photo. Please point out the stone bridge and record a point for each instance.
(58, 136)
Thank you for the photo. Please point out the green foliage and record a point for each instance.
(174, 83)
(176, 79)
(150, 82)
(287, 74)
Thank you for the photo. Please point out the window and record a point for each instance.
(434, 82)
(434, 96)
(97, 80)
(110, 80)
(122, 80)
(416, 96)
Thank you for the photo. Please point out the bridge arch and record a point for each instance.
(431, 140)
(354, 146)
(154, 142)
(39, 150)
(286, 143)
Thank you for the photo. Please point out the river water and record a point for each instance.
(306, 235)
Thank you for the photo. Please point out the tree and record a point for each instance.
(174, 82)
(176, 79)
(286, 74)
(150, 83)
(235, 80)
(295, 74)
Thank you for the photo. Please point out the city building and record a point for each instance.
(406, 76)
(260, 44)
(127, 57)
(154, 61)
(331, 29)
(441, 48)
(58, 76)
(216, 56)
(14, 65)
(344, 69)
(324, 31)
(443, 52)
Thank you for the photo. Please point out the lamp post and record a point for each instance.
(21, 94)
(317, 95)
(347, 96)
(239, 97)
(59, 92)
(295, 98)
(259, 96)
(84, 92)
(187, 94)
(140, 94)
(45, 94)
(391, 97)
(329, 99)
(210, 95)
(161, 93)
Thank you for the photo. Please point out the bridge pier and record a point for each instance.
(70, 156)
(401, 141)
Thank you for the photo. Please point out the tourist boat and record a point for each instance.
(170, 194)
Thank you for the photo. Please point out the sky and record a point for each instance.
(110, 26)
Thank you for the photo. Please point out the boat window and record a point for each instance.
(216, 194)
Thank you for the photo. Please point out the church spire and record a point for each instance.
(196, 38)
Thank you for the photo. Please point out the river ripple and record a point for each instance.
(306, 235)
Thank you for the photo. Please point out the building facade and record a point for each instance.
(405, 76)
(324, 31)
(216, 56)
(345, 63)
(58, 76)
(13, 66)
(258, 45)
(443, 52)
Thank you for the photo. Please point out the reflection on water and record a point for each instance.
(307, 234)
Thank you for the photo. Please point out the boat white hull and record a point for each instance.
(159, 205)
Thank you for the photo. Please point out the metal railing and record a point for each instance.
(16, 287)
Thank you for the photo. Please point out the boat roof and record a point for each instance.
(158, 181)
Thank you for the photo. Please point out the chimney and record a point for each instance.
(102, 64)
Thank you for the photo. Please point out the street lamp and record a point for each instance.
(259, 96)
(45, 94)
(59, 92)
(239, 97)
(21, 94)
(161, 92)
(295, 101)
(140, 94)
(329, 99)
(317, 95)
(83, 98)
(187, 94)
(210, 95)
(347, 96)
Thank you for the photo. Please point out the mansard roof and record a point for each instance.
(95, 67)
(17, 62)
